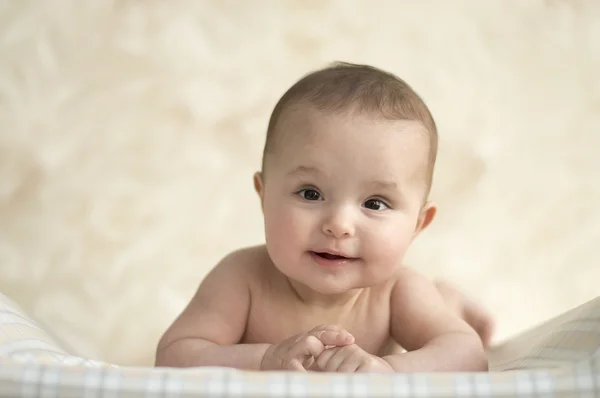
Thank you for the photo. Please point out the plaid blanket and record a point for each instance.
(560, 358)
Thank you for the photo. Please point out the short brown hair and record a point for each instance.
(342, 85)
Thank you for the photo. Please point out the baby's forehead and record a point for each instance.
(305, 121)
(393, 148)
(362, 139)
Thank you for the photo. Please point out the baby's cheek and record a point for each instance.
(283, 228)
(391, 244)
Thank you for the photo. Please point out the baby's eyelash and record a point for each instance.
(384, 202)
(383, 199)
(315, 193)
(306, 187)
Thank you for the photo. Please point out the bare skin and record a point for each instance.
(474, 314)
(342, 199)
(246, 314)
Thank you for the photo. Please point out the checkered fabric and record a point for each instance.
(560, 358)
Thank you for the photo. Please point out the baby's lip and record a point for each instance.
(333, 253)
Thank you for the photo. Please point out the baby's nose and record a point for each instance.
(339, 225)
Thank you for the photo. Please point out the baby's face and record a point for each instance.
(343, 197)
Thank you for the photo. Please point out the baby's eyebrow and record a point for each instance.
(385, 185)
(304, 170)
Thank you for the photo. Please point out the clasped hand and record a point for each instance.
(326, 348)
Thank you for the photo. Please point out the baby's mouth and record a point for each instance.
(329, 256)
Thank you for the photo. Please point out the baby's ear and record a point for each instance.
(259, 186)
(426, 216)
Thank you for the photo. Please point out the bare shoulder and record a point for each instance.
(239, 270)
(409, 281)
(419, 312)
(219, 309)
(251, 265)
(413, 291)
(243, 263)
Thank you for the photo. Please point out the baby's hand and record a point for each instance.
(351, 358)
(299, 352)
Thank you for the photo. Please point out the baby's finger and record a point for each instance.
(333, 338)
(323, 359)
(349, 365)
(332, 361)
(295, 365)
(332, 327)
(309, 346)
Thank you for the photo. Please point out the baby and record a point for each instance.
(346, 174)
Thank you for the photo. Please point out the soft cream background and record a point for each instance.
(129, 131)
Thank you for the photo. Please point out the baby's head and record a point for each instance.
(360, 89)
(347, 169)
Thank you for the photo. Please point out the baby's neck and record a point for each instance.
(337, 301)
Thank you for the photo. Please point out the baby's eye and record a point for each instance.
(310, 194)
(375, 204)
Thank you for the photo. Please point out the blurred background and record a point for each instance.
(129, 132)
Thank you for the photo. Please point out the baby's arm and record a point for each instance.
(435, 338)
(208, 330)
